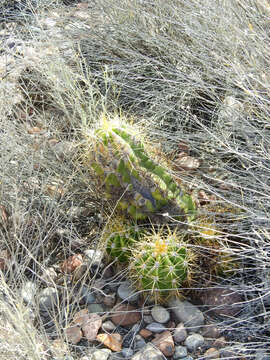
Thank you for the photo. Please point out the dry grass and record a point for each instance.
(188, 71)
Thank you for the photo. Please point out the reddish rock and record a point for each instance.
(91, 326)
(125, 315)
(73, 334)
(71, 263)
(112, 341)
(222, 302)
(81, 317)
(164, 341)
(145, 333)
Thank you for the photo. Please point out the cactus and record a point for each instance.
(129, 176)
(161, 263)
(118, 238)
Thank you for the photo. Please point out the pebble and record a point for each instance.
(112, 341)
(87, 295)
(127, 353)
(94, 258)
(73, 334)
(96, 308)
(160, 314)
(211, 331)
(102, 354)
(155, 327)
(149, 352)
(146, 333)
(126, 315)
(180, 352)
(211, 353)
(108, 326)
(187, 313)
(148, 319)
(180, 333)
(28, 292)
(164, 342)
(139, 342)
(127, 293)
(193, 342)
(91, 326)
(48, 298)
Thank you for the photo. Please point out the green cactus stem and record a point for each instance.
(126, 171)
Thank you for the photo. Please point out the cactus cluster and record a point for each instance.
(162, 260)
(129, 175)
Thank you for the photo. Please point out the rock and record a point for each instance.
(108, 326)
(96, 308)
(59, 348)
(49, 276)
(180, 352)
(48, 298)
(139, 342)
(211, 331)
(155, 327)
(112, 341)
(211, 353)
(220, 342)
(187, 313)
(149, 352)
(102, 354)
(73, 334)
(261, 355)
(91, 326)
(164, 342)
(109, 300)
(127, 293)
(186, 162)
(125, 315)
(80, 273)
(145, 333)
(160, 314)
(180, 333)
(71, 263)
(127, 353)
(148, 319)
(94, 259)
(87, 295)
(222, 302)
(194, 341)
(80, 317)
(28, 292)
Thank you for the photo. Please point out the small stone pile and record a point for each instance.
(116, 322)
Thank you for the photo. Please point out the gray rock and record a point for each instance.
(261, 355)
(127, 293)
(94, 258)
(87, 295)
(28, 292)
(96, 308)
(139, 342)
(127, 353)
(156, 327)
(102, 354)
(48, 298)
(187, 358)
(180, 352)
(149, 352)
(180, 333)
(108, 326)
(160, 314)
(194, 341)
(148, 319)
(187, 313)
